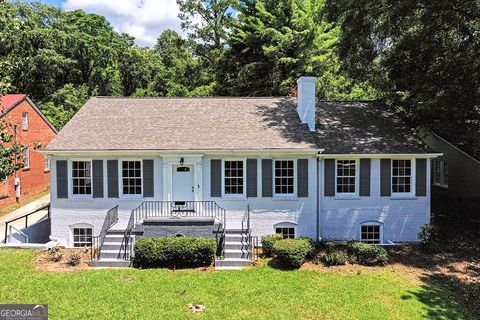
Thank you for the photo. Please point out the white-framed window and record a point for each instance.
(47, 164)
(371, 233)
(440, 173)
(132, 177)
(286, 232)
(82, 177)
(284, 177)
(26, 158)
(401, 176)
(346, 176)
(234, 177)
(25, 120)
(82, 237)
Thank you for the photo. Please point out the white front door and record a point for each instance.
(182, 183)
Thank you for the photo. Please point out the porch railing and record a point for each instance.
(97, 241)
(25, 218)
(252, 241)
(171, 209)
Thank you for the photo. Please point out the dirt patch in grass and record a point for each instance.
(43, 261)
(454, 265)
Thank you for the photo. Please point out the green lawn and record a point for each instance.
(260, 292)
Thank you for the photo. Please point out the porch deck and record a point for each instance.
(114, 245)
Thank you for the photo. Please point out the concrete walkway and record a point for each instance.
(32, 206)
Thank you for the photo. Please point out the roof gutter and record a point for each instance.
(174, 152)
(378, 155)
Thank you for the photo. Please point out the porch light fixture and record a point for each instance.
(181, 161)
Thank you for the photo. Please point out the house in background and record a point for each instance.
(32, 129)
(233, 169)
(455, 173)
(455, 186)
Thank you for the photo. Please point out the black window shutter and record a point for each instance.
(385, 177)
(62, 179)
(329, 176)
(421, 177)
(365, 167)
(112, 177)
(251, 177)
(97, 175)
(215, 178)
(148, 180)
(267, 190)
(302, 177)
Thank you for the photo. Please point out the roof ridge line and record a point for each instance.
(200, 98)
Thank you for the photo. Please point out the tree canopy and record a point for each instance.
(420, 57)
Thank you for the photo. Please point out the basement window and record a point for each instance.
(82, 237)
(370, 233)
(286, 232)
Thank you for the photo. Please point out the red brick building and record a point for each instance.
(34, 130)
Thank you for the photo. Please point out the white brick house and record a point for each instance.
(330, 171)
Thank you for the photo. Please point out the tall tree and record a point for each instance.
(208, 24)
(178, 72)
(422, 54)
(276, 41)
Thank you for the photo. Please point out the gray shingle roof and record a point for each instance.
(363, 128)
(111, 123)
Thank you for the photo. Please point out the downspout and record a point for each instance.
(319, 196)
(16, 178)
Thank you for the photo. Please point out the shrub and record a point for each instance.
(54, 254)
(428, 236)
(267, 243)
(367, 254)
(73, 260)
(335, 258)
(174, 252)
(292, 253)
(313, 245)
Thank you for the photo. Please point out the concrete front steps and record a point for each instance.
(236, 251)
(112, 251)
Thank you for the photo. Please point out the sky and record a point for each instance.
(142, 19)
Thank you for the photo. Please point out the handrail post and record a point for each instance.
(6, 232)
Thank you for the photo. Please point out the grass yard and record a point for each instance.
(261, 292)
(23, 201)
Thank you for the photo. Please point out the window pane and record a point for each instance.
(81, 177)
(233, 174)
(401, 176)
(284, 176)
(346, 175)
(132, 177)
(287, 233)
(370, 233)
(82, 237)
